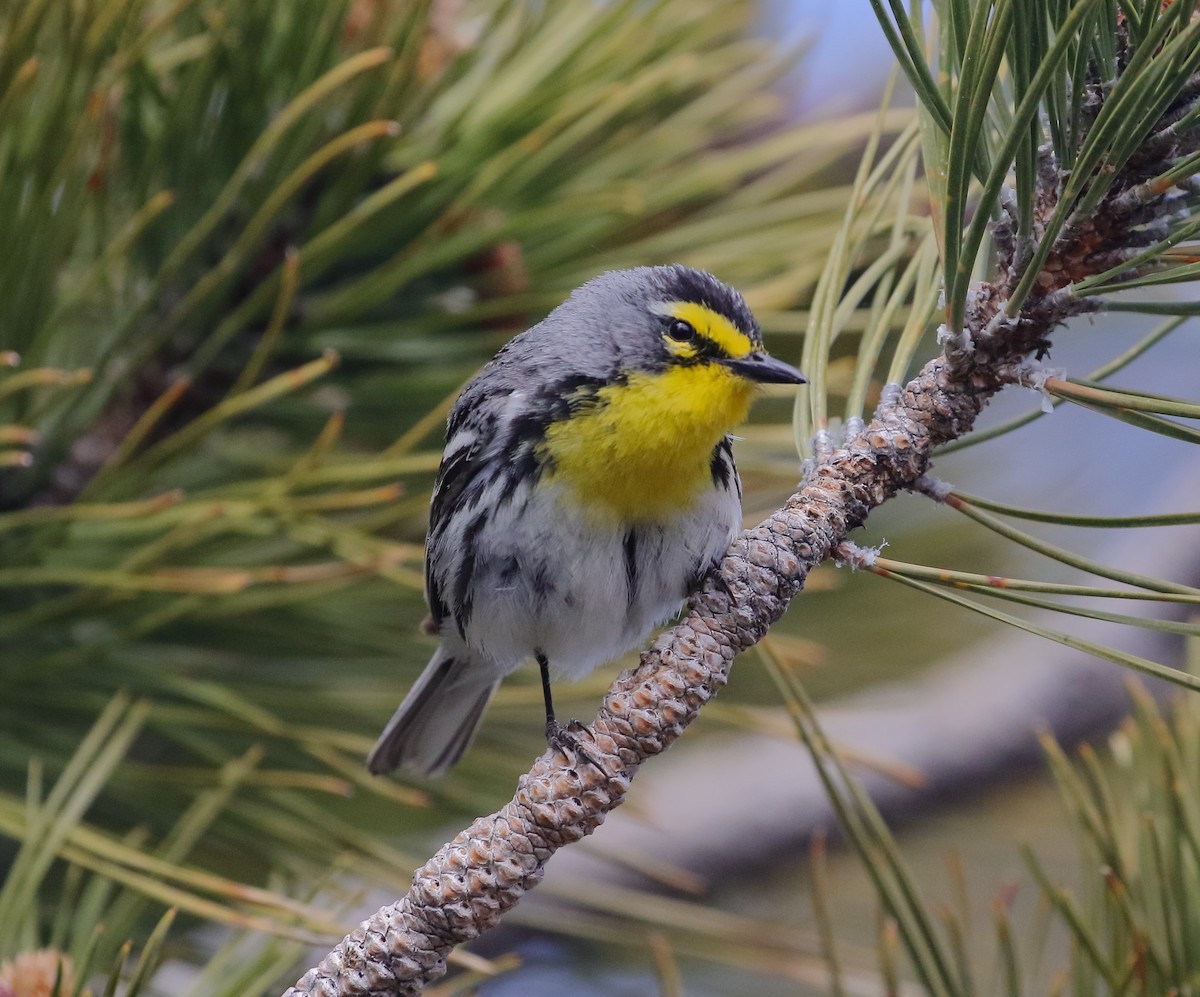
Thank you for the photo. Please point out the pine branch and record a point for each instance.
(471, 882)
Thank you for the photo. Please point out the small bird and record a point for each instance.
(587, 486)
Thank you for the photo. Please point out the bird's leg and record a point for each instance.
(557, 735)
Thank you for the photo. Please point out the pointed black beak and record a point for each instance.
(765, 369)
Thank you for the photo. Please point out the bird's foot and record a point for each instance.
(563, 737)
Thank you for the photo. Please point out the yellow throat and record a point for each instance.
(642, 453)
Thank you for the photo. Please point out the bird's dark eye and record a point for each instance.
(681, 331)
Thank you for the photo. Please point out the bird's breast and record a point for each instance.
(641, 451)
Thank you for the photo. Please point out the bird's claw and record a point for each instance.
(563, 738)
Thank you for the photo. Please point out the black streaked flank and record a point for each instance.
(543, 585)
(438, 609)
(718, 465)
(463, 576)
(630, 547)
(724, 471)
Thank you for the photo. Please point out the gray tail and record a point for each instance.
(435, 724)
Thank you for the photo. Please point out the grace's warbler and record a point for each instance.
(587, 485)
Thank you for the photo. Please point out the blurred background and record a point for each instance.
(253, 251)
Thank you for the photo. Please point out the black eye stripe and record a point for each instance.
(680, 330)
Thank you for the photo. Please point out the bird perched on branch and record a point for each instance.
(586, 487)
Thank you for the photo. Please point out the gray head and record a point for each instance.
(646, 320)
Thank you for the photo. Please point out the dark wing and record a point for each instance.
(454, 475)
(459, 470)
(488, 453)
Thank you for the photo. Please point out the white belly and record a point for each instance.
(577, 593)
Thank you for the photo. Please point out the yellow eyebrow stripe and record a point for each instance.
(713, 326)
